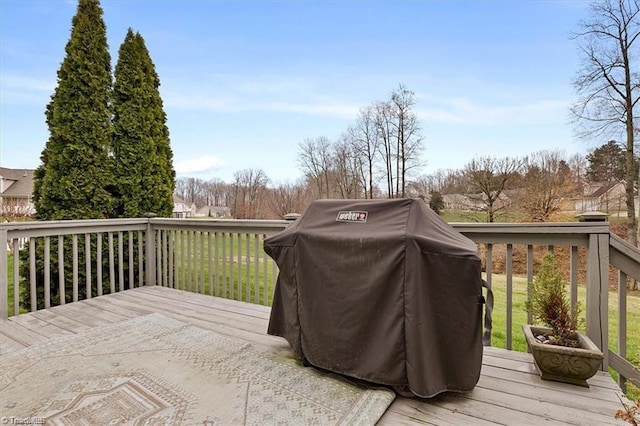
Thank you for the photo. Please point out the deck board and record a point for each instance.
(509, 390)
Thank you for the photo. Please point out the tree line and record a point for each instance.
(531, 188)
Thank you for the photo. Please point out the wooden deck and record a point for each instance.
(509, 391)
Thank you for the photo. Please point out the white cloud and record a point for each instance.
(19, 90)
(262, 93)
(323, 108)
(27, 83)
(198, 165)
(469, 112)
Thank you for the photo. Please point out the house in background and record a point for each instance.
(213, 211)
(604, 196)
(16, 189)
(181, 209)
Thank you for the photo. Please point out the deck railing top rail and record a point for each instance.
(66, 227)
(222, 225)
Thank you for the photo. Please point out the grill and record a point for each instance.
(380, 290)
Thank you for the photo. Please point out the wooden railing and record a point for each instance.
(225, 258)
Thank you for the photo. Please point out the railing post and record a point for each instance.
(151, 251)
(598, 293)
(4, 281)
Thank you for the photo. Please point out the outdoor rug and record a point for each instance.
(154, 370)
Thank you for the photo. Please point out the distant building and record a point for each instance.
(605, 196)
(16, 189)
(181, 209)
(213, 211)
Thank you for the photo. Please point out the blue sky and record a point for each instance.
(244, 82)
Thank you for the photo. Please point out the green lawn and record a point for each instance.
(231, 266)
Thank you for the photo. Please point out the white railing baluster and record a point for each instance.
(157, 237)
(622, 324)
(4, 279)
(230, 261)
(99, 263)
(140, 259)
(189, 237)
(210, 263)
(61, 280)
(224, 266)
(509, 274)
(32, 274)
(120, 262)
(256, 269)
(239, 256)
(74, 253)
(529, 279)
(131, 259)
(265, 279)
(216, 240)
(16, 278)
(112, 268)
(87, 264)
(47, 272)
(573, 279)
(203, 288)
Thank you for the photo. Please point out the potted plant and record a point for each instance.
(560, 352)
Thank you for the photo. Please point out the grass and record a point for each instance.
(231, 266)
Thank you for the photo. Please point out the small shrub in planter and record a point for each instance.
(560, 352)
(550, 305)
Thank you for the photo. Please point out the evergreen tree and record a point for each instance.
(606, 163)
(74, 179)
(436, 202)
(143, 157)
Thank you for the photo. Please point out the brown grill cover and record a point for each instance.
(380, 290)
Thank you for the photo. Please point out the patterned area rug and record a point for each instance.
(154, 370)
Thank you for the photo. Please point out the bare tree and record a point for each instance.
(547, 181)
(386, 147)
(216, 193)
(249, 187)
(399, 139)
(421, 187)
(363, 136)
(448, 181)
(608, 84)
(288, 198)
(314, 160)
(190, 189)
(489, 177)
(345, 171)
(578, 164)
(408, 136)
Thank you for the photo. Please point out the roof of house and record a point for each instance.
(606, 187)
(177, 199)
(22, 182)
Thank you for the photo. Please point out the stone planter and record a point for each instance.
(563, 364)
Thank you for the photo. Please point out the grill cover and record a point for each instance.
(380, 290)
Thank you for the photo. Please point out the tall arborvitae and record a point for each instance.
(75, 178)
(144, 160)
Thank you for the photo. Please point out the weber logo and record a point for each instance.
(352, 216)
